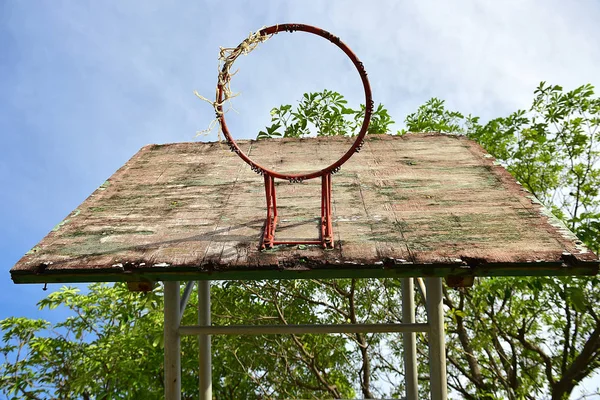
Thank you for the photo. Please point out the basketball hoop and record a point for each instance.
(325, 174)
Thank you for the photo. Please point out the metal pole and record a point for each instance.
(172, 344)
(204, 341)
(300, 329)
(409, 338)
(437, 340)
(189, 287)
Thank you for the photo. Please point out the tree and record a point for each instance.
(108, 344)
(531, 337)
(510, 338)
(111, 348)
(325, 114)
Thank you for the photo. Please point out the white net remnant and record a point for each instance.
(227, 56)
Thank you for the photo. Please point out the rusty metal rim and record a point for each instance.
(358, 142)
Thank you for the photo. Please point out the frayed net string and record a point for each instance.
(227, 56)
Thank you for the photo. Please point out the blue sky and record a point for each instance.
(85, 84)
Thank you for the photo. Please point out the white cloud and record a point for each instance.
(484, 57)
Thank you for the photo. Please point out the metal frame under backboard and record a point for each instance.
(173, 330)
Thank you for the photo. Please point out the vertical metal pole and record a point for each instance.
(269, 234)
(437, 340)
(204, 341)
(172, 343)
(409, 340)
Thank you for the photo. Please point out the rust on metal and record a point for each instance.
(144, 287)
(416, 205)
(460, 281)
(326, 231)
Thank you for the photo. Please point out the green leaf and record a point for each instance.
(578, 298)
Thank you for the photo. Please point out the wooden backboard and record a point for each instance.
(416, 205)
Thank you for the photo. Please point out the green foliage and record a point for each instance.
(103, 348)
(508, 338)
(111, 348)
(523, 338)
(18, 375)
(325, 113)
(526, 338)
(306, 366)
(433, 117)
(553, 151)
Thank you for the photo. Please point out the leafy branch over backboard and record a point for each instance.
(325, 114)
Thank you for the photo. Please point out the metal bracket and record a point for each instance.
(141, 286)
(326, 223)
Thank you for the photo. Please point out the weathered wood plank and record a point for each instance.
(412, 205)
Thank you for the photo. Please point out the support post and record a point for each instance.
(409, 340)
(437, 340)
(204, 341)
(172, 342)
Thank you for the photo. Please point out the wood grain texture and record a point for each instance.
(417, 205)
